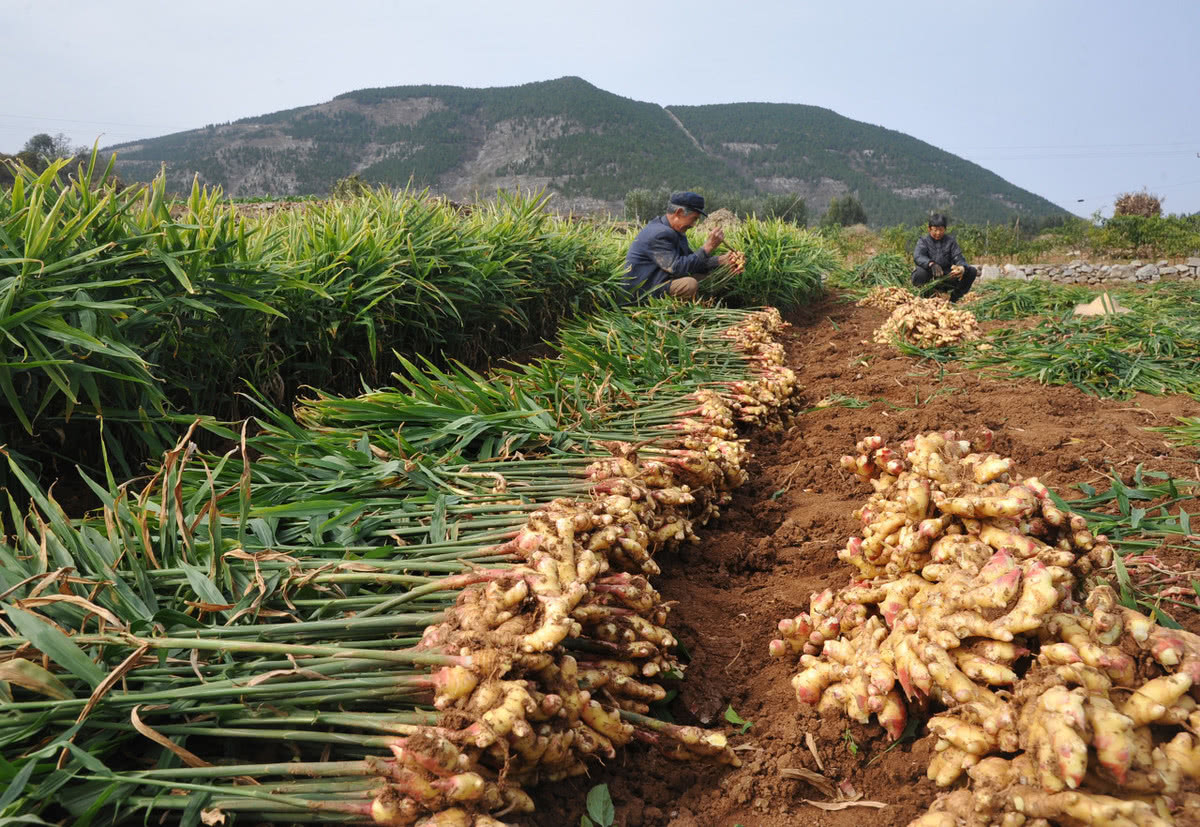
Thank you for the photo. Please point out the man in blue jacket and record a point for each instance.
(660, 260)
(941, 263)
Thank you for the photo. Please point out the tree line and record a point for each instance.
(38, 153)
(643, 203)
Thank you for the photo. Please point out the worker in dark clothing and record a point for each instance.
(660, 260)
(940, 262)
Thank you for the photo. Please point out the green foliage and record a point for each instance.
(785, 266)
(737, 720)
(48, 148)
(786, 207)
(908, 734)
(317, 555)
(127, 315)
(848, 739)
(1187, 432)
(121, 309)
(1005, 299)
(882, 270)
(600, 810)
(352, 186)
(1135, 235)
(808, 143)
(844, 212)
(901, 239)
(1153, 349)
(743, 206)
(39, 152)
(643, 204)
(850, 243)
(1028, 240)
(71, 285)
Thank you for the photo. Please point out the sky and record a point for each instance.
(1075, 101)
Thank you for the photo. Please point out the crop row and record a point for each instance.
(125, 313)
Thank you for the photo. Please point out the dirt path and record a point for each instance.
(691, 137)
(777, 543)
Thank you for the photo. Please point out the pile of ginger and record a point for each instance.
(979, 606)
(926, 322)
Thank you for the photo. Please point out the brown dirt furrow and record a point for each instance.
(777, 543)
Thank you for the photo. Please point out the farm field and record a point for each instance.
(776, 545)
(328, 558)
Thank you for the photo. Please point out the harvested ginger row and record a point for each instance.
(970, 573)
(518, 708)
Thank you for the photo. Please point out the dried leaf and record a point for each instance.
(211, 817)
(46, 579)
(74, 599)
(29, 675)
(189, 758)
(100, 691)
(260, 556)
(275, 673)
(210, 607)
(842, 805)
(358, 567)
(817, 780)
(812, 747)
(257, 610)
(111, 679)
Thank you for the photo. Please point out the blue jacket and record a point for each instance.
(660, 254)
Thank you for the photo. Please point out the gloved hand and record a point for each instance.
(936, 269)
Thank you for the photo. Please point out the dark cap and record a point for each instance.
(688, 200)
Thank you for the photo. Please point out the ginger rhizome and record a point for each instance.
(977, 605)
(926, 322)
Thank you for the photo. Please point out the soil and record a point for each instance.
(776, 544)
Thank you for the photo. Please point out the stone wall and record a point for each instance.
(1081, 272)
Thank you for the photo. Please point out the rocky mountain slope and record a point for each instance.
(586, 145)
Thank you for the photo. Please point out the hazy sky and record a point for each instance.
(1076, 101)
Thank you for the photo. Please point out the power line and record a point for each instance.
(1084, 146)
(22, 135)
(1174, 185)
(91, 122)
(1082, 156)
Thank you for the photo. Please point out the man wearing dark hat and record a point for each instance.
(660, 260)
(941, 263)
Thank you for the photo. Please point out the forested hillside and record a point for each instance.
(795, 147)
(588, 146)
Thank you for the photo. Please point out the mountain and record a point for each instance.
(588, 146)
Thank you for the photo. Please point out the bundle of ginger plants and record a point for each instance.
(548, 660)
(568, 648)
